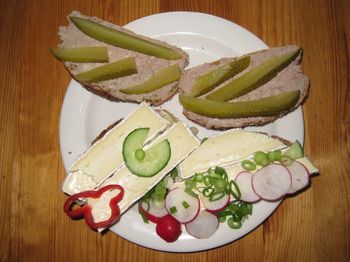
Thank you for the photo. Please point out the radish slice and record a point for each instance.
(244, 182)
(156, 210)
(300, 176)
(203, 226)
(272, 182)
(217, 205)
(183, 207)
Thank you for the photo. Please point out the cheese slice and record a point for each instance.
(225, 149)
(105, 157)
(182, 143)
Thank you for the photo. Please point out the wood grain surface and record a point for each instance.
(313, 226)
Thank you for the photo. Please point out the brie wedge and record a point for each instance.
(228, 149)
(105, 157)
(182, 143)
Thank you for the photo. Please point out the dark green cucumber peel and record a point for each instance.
(121, 39)
(254, 78)
(110, 71)
(152, 161)
(210, 80)
(90, 54)
(268, 106)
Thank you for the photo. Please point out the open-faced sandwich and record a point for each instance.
(180, 182)
(118, 64)
(254, 89)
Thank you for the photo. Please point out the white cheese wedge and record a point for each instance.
(182, 143)
(225, 149)
(105, 157)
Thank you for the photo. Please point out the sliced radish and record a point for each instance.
(244, 182)
(217, 205)
(203, 226)
(154, 211)
(300, 176)
(272, 182)
(183, 207)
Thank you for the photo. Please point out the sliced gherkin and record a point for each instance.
(254, 78)
(113, 70)
(90, 54)
(268, 106)
(162, 78)
(121, 39)
(210, 80)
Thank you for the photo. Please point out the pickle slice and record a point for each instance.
(268, 106)
(91, 54)
(210, 80)
(162, 78)
(113, 70)
(121, 39)
(254, 78)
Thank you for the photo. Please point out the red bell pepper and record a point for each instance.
(85, 209)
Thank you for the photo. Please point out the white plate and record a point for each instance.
(205, 38)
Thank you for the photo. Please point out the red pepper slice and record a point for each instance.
(85, 210)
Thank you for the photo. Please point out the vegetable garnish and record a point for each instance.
(173, 210)
(85, 209)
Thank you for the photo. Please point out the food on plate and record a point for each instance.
(92, 54)
(158, 64)
(145, 163)
(102, 209)
(105, 156)
(264, 107)
(268, 88)
(168, 228)
(109, 71)
(208, 81)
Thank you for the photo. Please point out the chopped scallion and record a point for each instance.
(248, 165)
(185, 204)
(173, 210)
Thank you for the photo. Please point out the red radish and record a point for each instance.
(217, 205)
(244, 182)
(168, 228)
(272, 182)
(182, 206)
(154, 211)
(300, 176)
(203, 226)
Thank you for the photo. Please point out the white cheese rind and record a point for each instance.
(105, 157)
(182, 143)
(225, 149)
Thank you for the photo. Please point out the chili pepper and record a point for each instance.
(85, 209)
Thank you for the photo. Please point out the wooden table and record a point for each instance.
(313, 226)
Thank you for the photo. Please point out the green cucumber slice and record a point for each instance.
(295, 151)
(153, 160)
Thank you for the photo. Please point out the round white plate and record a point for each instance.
(205, 38)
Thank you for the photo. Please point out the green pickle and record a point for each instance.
(254, 78)
(162, 78)
(110, 71)
(268, 106)
(90, 54)
(210, 80)
(121, 39)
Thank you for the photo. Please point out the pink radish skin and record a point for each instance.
(155, 212)
(272, 182)
(203, 226)
(217, 205)
(175, 198)
(300, 177)
(244, 182)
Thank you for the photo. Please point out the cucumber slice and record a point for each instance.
(90, 54)
(295, 151)
(152, 161)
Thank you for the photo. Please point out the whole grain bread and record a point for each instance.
(289, 79)
(147, 65)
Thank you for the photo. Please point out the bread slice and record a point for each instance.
(290, 78)
(147, 65)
